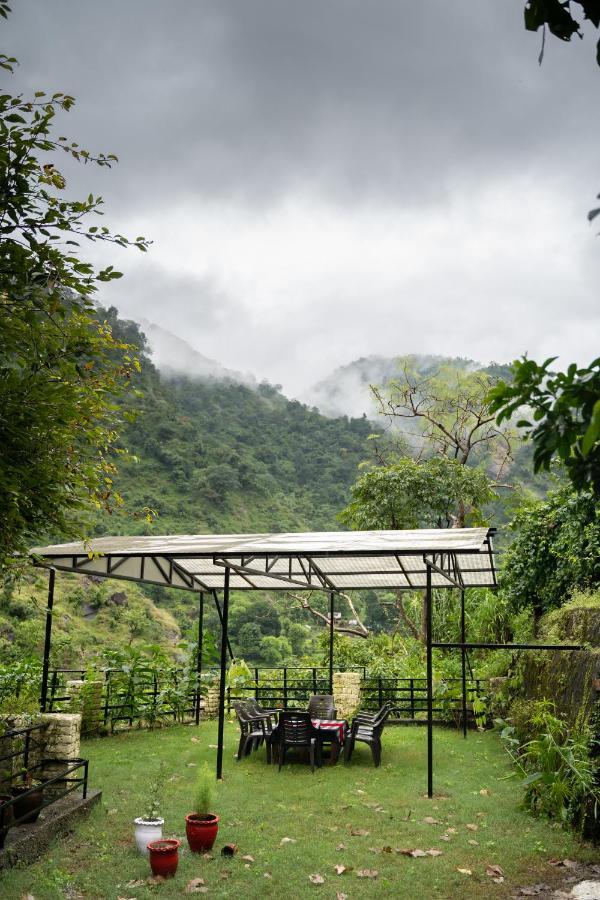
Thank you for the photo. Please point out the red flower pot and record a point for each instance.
(201, 831)
(164, 856)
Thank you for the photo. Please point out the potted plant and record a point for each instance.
(29, 798)
(149, 826)
(201, 826)
(164, 857)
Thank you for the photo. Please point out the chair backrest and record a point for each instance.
(320, 706)
(382, 716)
(295, 727)
(241, 711)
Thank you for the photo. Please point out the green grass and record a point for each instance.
(259, 806)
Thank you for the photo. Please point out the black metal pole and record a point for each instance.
(47, 640)
(199, 656)
(428, 618)
(331, 599)
(468, 645)
(217, 604)
(224, 644)
(463, 653)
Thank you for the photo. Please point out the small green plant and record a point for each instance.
(204, 791)
(559, 775)
(155, 795)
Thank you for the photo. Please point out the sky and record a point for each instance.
(329, 179)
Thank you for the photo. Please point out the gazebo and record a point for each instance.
(417, 560)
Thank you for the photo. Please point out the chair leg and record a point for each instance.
(376, 751)
(240, 747)
(348, 748)
(268, 748)
(312, 756)
(282, 750)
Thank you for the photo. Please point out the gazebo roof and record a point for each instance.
(331, 560)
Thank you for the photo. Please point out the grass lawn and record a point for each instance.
(476, 805)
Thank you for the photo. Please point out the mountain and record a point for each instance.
(173, 356)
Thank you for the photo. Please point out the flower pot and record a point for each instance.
(164, 856)
(147, 830)
(28, 806)
(201, 831)
(6, 818)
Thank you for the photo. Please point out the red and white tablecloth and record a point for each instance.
(330, 725)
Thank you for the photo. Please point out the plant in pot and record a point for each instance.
(201, 826)
(149, 826)
(29, 798)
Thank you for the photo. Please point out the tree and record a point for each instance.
(60, 366)
(433, 493)
(556, 550)
(565, 408)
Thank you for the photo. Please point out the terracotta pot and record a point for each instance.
(201, 831)
(164, 856)
(6, 818)
(28, 806)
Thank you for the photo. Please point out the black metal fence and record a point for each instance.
(285, 687)
(148, 700)
(31, 780)
(409, 697)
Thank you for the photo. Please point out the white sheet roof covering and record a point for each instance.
(336, 560)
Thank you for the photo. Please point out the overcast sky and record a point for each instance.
(329, 179)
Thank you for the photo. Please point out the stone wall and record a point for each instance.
(62, 742)
(210, 702)
(87, 699)
(346, 693)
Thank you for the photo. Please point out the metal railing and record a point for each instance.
(18, 747)
(409, 697)
(286, 687)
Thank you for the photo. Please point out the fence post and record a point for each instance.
(412, 698)
(379, 692)
(256, 684)
(314, 680)
(285, 697)
(106, 695)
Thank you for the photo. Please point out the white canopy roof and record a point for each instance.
(331, 560)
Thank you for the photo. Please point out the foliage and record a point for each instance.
(238, 675)
(59, 364)
(557, 16)
(559, 774)
(556, 550)
(203, 795)
(20, 684)
(411, 494)
(566, 416)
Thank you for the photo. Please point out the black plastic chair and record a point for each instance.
(269, 715)
(320, 706)
(253, 731)
(367, 728)
(296, 730)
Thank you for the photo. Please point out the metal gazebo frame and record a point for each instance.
(422, 559)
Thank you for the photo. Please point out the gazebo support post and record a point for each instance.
(199, 654)
(463, 640)
(224, 646)
(220, 612)
(47, 641)
(428, 619)
(331, 610)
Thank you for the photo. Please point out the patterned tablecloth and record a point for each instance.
(330, 725)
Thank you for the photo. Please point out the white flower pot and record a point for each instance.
(147, 830)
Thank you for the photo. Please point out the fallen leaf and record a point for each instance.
(195, 740)
(464, 871)
(416, 852)
(138, 882)
(341, 847)
(429, 820)
(379, 809)
(359, 832)
(494, 871)
(386, 849)
(485, 792)
(267, 875)
(156, 879)
(207, 856)
(570, 864)
(451, 831)
(339, 869)
(367, 873)
(473, 843)
(445, 837)
(340, 896)
(196, 886)
(224, 874)
(248, 858)
(472, 827)
(287, 840)
(192, 765)
(212, 747)
(111, 812)
(358, 791)
(316, 878)
(433, 852)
